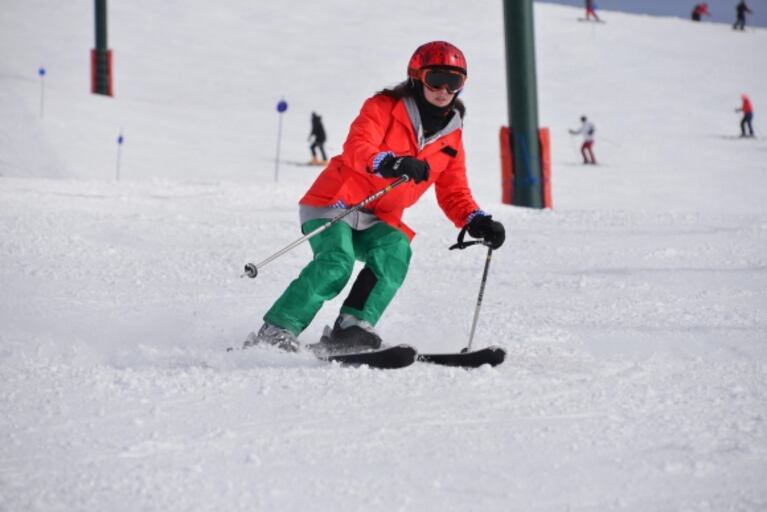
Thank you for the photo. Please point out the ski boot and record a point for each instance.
(349, 334)
(272, 335)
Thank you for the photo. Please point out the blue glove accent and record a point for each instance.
(476, 213)
(379, 158)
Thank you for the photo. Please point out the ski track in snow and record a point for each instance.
(633, 312)
(147, 406)
(159, 435)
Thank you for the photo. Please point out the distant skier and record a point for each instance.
(748, 116)
(741, 9)
(317, 138)
(700, 10)
(587, 129)
(590, 10)
(414, 129)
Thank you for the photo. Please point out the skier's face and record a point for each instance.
(440, 85)
(439, 97)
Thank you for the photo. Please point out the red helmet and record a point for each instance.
(436, 53)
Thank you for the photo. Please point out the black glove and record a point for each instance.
(483, 226)
(395, 166)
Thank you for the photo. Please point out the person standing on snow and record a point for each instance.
(700, 10)
(416, 130)
(748, 116)
(587, 129)
(590, 10)
(741, 9)
(317, 138)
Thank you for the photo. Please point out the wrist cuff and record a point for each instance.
(476, 213)
(380, 158)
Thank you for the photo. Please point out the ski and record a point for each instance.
(493, 356)
(389, 358)
(398, 356)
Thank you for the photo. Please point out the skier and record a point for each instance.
(587, 129)
(317, 139)
(700, 10)
(741, 9)
(748, 116)
(413, 129)
(590, 10)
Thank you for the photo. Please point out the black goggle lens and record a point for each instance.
(438, 78)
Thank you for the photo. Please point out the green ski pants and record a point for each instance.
(386, 253)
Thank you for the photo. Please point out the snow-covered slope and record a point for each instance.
(633, 312)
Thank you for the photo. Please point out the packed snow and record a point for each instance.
(633, 312)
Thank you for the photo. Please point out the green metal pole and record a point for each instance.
(101, 50)
(522, 102)
(101, 24)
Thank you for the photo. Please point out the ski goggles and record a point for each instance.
(441, 78)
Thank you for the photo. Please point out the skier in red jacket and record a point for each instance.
(591, 10)
(700, 10)
(414, 129)
(748, 116)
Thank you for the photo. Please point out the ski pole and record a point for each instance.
(572, 145)
(479, 298)
(251, 269)
(610, 141)
(461, 244)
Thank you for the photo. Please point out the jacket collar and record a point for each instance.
(407, 112)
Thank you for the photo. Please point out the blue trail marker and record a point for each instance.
(41, 72)
(282, 107)
(120, 141)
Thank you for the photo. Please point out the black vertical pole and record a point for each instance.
(101, 25)
(101, 66)
(522, 102)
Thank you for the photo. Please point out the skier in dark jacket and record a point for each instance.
(741, 9)
(317, 138)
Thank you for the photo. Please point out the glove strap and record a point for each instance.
(460, 244)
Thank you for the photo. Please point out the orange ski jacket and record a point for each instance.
(384, 124)
(747, 108)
